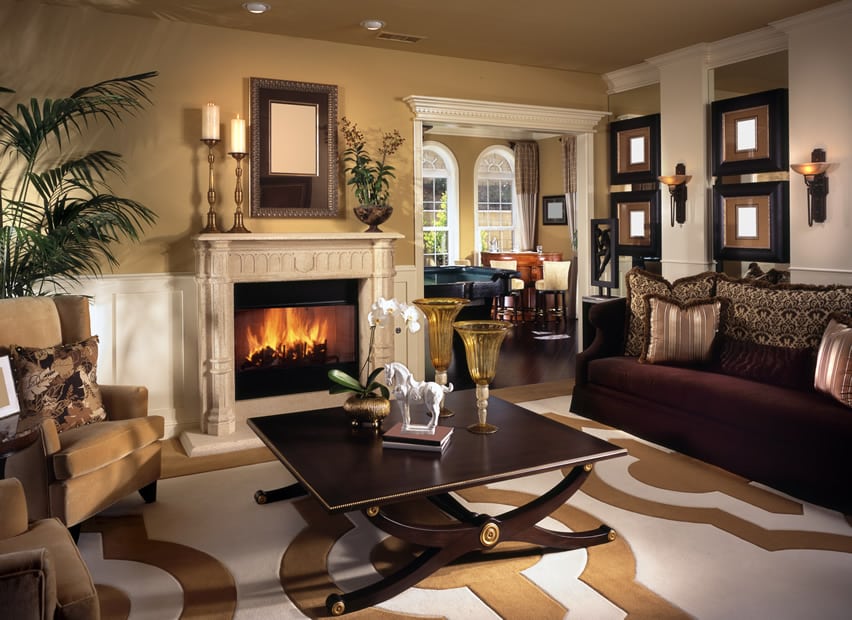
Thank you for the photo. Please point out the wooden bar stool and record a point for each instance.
(516, 292)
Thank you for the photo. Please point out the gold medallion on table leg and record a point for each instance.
(372, 511)
(489, 535)
(588, 466)
(612, 535)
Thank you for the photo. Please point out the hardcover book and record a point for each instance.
(395, 437)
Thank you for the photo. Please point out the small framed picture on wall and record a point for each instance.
(554, 210)
(635, 150)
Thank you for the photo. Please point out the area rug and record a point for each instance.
(693, 541)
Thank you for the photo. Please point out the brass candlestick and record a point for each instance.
(211, 227)
(238, 226)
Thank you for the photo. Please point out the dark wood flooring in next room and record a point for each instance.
(531, 353)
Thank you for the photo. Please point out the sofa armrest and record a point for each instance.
(13, 508)
(608, 319)
(28, 583)
(123, 402)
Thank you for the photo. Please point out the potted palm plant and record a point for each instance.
(370, 175)
(58, 217)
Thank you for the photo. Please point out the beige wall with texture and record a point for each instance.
(54, 50)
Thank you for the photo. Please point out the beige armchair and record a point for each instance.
(77, 473)
(41, 572)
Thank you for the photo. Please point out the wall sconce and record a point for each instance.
(677, 191)
(817, 183)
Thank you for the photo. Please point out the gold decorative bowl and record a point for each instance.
(368, 410)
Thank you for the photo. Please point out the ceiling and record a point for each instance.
(595, 36)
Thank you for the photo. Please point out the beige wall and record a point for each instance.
(51, 51)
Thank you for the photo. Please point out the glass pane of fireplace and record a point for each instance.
(287, 338)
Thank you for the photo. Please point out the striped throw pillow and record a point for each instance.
(680, 332)
(834, 360)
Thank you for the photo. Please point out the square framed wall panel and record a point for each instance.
(751, 222)
(634, 150)
(638, 217)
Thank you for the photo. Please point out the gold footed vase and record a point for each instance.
(482, 340)
(441, 312)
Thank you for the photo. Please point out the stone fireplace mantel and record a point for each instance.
(223, 259)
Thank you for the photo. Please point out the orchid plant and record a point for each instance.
(382, 313)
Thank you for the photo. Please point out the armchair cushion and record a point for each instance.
(76, 596)
(28, 583)
(58, 382)
(93, 447)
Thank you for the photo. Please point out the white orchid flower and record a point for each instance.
(412, 316)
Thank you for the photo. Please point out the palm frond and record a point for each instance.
(70, 230)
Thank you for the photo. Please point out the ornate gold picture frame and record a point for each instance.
(293, 151)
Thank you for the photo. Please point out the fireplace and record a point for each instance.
(361, 263)
(288, 335)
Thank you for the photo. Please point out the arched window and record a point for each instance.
(440, 205)
(495, 199)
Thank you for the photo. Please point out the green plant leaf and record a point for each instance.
(343, 379)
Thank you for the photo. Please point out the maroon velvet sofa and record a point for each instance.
(765, 427)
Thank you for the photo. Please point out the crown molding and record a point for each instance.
(815, 17)
(746, 46)
(700, 50)
(629, 78)
(458, 113)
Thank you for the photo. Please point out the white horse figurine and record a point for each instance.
(407, 390)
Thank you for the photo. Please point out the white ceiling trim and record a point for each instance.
(458, 113)
(734, 49)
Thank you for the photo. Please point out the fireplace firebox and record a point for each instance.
(288, 335)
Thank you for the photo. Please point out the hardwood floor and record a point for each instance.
(531, 353)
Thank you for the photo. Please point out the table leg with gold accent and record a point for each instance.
(471, 532)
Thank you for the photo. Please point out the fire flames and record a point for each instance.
(287, 337)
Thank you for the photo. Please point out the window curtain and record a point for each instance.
(526, 187)
(569, 183)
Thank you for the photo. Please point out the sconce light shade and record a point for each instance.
(817, 184)
(677, 192)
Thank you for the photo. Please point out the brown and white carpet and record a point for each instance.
(694, 541)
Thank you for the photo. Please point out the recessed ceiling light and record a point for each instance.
(373, 24)
(256, 7)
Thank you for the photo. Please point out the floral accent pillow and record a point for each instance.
(58, 382)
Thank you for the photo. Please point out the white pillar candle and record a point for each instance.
(210, 122)
(238, 135)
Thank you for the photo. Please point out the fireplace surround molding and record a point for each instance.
(223, 259)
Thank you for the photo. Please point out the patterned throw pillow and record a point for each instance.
(785, 315)
(834, 360)
(640, 283)
(58, 382)
(680, 332)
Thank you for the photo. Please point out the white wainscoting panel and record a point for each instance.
(147, 329)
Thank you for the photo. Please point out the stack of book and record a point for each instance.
(395, 437)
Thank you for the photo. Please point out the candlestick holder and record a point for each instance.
(212, 226)
(238, 226)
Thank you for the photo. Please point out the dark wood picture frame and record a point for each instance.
(293, 152)
(634, 150)
(604, 261)
(751, 221)
(638, 216)
(750, 133)
(554, 210)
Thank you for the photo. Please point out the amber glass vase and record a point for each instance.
(482, 340)
(441, 312)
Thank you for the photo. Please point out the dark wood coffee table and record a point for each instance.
(347, 470)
